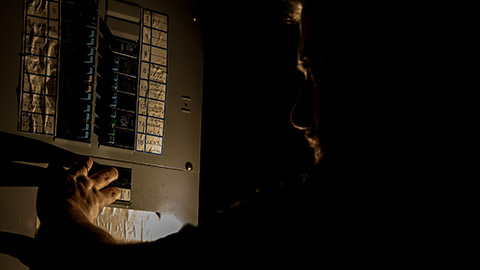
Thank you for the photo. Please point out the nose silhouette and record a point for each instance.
(302, 115)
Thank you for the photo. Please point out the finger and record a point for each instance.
(89, 163)
(110, 195)
(81, 167)
(103, 178)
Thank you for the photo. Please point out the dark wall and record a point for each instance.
(250, 86)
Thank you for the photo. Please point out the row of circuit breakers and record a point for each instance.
(79, 78)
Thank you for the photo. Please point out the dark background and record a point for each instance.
(250, 86)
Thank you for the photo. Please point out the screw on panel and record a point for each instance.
(189, 166)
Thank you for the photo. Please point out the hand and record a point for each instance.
(72, 195)
(68, 203)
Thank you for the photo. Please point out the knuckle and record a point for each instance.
(83, 170)
(114, 191)
(85, 181)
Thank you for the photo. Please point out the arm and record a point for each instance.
(68, 204)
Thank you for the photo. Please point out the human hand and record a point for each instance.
(73, 195)
(68, 203)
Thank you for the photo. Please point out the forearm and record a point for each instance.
(70, 245)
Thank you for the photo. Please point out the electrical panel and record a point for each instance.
(119, 81)
(121, 99)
